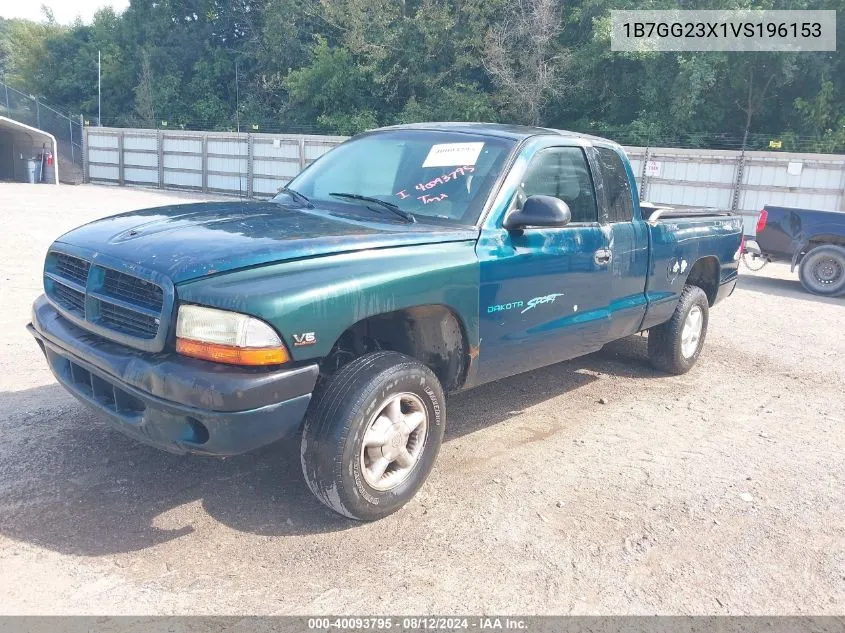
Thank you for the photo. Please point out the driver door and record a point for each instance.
(546, 292)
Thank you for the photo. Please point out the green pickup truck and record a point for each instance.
(407, 263)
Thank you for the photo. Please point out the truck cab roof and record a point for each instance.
(501, 130)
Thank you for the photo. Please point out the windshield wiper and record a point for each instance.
(387, 205)
(301, 198)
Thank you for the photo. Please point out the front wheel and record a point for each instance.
(822, 270)
(674, 346)
(372, 435)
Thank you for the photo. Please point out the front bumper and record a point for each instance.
(174, 403)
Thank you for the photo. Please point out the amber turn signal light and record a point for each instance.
(251, 356)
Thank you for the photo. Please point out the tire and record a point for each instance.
(385, 393)
(822, 270)
(666, 342)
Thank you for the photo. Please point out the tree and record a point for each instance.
(332, 90)
(144, 99)
(825, 117)
(523, 60)
(23, 48)
(341, 66)
(753, 78)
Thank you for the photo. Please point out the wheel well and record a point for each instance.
(705, 275)
(433, 334)
(815, 242)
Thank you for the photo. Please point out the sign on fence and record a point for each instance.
(652, 169)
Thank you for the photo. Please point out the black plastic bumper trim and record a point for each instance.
(169, 376)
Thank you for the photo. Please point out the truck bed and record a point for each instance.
(789, 231)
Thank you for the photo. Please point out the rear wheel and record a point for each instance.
(674, 346)
(822, 270)
(372, 435)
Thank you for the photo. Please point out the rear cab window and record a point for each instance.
(617, 188)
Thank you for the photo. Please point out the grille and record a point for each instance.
(133, 290)
(112, 301)
(71, 299)
(127, 321)
(72, 268)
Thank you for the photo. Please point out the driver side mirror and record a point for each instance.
(539, 211)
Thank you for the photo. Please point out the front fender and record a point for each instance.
(312, 301)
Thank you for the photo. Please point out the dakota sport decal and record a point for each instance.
(532, 303)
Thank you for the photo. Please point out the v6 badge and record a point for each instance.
(306, 338)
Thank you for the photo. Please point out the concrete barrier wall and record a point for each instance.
(743, 182)
(257, 165)
(252, 165)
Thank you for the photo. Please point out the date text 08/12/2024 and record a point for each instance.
(422, 623)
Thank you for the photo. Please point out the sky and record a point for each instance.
(65, 11)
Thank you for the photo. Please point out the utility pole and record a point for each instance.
(99, 90)
(238, 126)
(237, 100)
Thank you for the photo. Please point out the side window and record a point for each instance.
(562, 172)
(616, 186)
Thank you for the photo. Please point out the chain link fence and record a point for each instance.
(32, 111)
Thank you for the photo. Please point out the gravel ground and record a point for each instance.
(718, 492)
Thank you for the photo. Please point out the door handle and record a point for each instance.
(602, 256)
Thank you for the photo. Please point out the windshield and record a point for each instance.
(432, 174)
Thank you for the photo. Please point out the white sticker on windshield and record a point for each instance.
(451, 154)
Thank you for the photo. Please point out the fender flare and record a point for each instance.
(796, 256)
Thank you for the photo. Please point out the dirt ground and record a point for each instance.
(718, 492)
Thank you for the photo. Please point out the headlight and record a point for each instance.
(227, 337)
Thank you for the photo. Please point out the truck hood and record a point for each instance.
(190, 241)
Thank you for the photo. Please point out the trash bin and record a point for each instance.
(33, 171)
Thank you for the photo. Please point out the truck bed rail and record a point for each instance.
(653, 213)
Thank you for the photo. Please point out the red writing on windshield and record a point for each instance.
(429, 199)
(460, 171)
(442, 179)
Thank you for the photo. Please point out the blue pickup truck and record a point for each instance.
(407, 263)
(811, 240)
